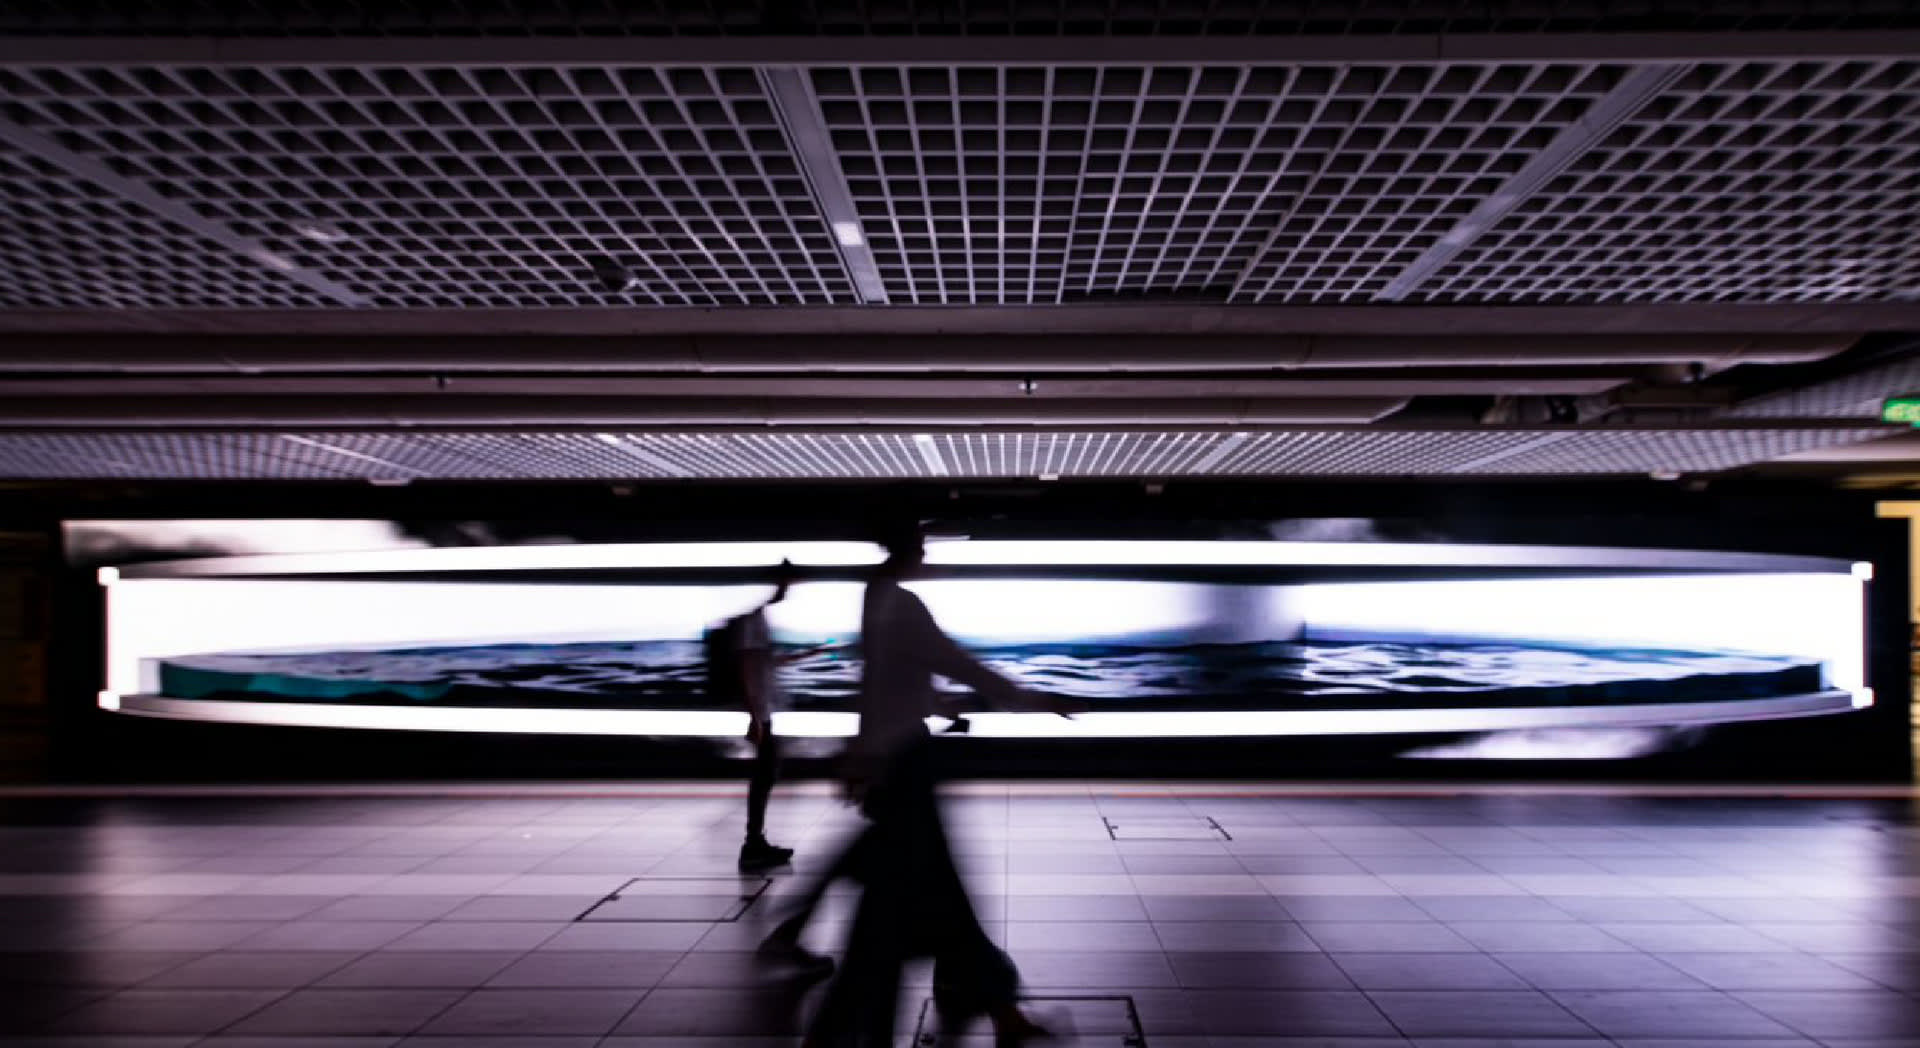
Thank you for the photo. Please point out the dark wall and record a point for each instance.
(89, 745)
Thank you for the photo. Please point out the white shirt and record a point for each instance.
(752, 634)
(902, 650)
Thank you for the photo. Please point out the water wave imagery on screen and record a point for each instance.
(1267, 675)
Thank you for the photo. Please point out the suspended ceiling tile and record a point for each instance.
(1047, 184)
(614, 457)
(1669, 451)
(425, 186)
(932, 17)
(66, 244)
(1859, 395)
(1744, 182)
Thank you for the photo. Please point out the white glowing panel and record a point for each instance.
(1816, 616)
(1189, 648)
(989, 553)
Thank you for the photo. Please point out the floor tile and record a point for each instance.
(1097, 969)
(1454, 908)
(1478, 1013)
(234, 970)
(164, 1011)
(1068, 935)
(1385, 937)
(586, 969)
(1246, 970)
(1660, 1013)
(420, 969)
(1538, 937)
(1827, 1014)
(651, 937)
(1213, 908)
(330, 1011)
(539, 1011)
(117, 969)
(1692, 938)
(1078, 908)
(415, 909)
(1427, 971)
(330, 936)
(1294, 1013)
(713, 1013)
(1218, 936)
(479, 935)
(1767, 971)
(1597, 971)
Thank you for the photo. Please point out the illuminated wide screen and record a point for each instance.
(1159, 638)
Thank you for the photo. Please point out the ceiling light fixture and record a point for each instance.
(320, 231)
(849, 234)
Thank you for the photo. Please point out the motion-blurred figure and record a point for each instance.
(749, 656)
(915, 904)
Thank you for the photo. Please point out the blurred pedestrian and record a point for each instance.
(750, 658)
(914, 903)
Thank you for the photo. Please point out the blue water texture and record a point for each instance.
(1266, 675)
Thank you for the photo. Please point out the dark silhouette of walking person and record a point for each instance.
(750, 643)
(914, 904)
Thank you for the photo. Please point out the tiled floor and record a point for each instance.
(417, 917)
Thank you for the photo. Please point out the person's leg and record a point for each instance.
(847, 865)
(766, 768)
(859, 1008)
(755, 852)
(971, 976)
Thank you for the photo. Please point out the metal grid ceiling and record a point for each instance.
(1039, 184)
(466, 187)
(510, 187)
(829, 456)
(1859, 395)
(890, 17)
(1752, 181)
(65, 242)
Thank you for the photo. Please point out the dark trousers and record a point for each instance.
(914, 905)
(849, 864)
(766, 768)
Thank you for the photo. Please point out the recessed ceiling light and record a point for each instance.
(274, 261)
(849, 234)
(320, 231)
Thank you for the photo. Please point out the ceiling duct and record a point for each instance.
(1041, 386)
(899, 354)
(294, 411)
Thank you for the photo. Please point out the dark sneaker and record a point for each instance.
(759, 855)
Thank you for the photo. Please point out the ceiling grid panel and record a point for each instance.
(68, 244)
(942, 18)
(1669, 452)
(1773, 182)
(1381, 163)
(318, 455)
(425, 186)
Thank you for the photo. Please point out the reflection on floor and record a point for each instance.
(1228, 918)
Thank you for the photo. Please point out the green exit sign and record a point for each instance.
(1901, 409)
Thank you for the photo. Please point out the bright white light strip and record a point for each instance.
(109, 576)
(1188, 724)
(849, 234)
(109, 700)
(989, 553)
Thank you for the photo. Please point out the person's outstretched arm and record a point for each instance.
(947, 658)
